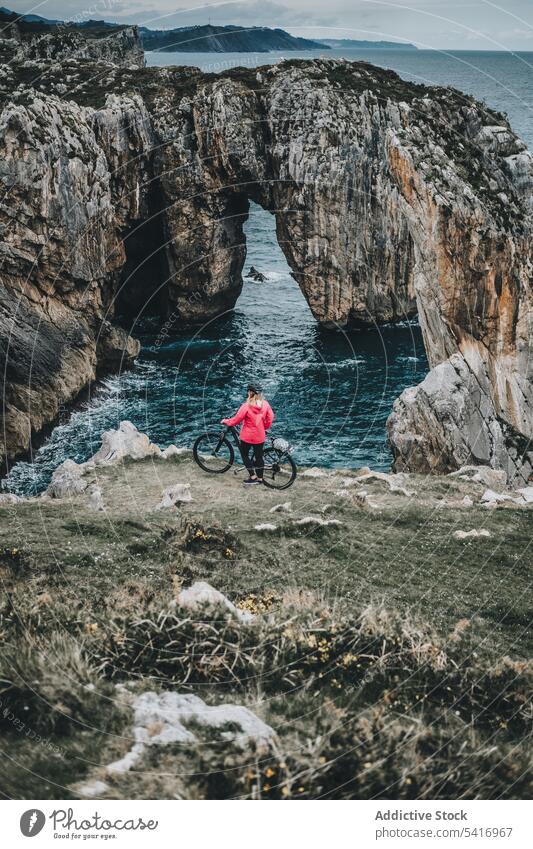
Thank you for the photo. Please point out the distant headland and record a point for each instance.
(206, 38)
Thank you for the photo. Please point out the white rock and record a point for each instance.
(96, 500)
(483, 532)
(265, 526)
(161, 719)
(67, 480)
(467, 502)
(202, 594)
(342, 493)
(177, 493)
(526, 492)
(317, 520)
(173, 451)
(392, 482)
(124, 442)
(490, 495)
(494, 478)
(281, 508)
(9, 498)
(313, 472)
(93, 788)
(126, 763)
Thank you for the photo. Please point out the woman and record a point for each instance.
(256, 416)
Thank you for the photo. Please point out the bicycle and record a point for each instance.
(215, 454)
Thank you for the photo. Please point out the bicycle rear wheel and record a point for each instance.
(213, 453)
(279, 469)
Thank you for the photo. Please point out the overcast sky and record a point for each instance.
(461, 24)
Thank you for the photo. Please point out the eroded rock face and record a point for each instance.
(62, 253)
(390, 199)
(20, 39)
(450, 420)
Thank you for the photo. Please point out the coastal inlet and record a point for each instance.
(332, 391)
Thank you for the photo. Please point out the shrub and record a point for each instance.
(52, 687)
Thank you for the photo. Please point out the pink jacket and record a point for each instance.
(256, 420)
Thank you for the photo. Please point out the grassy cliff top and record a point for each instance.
(377, 651)
(397, 546)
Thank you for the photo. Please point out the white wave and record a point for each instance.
(350, 362)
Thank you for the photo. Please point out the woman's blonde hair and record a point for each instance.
(255, 398)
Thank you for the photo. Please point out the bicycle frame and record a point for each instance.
(233, 431)
(240, 466)
(276, 462)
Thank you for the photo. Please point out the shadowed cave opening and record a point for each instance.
(142, 291)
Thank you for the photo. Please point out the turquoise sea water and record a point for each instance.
(332, 391)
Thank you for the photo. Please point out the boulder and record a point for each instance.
(317, 521)
(483, 532)
(493, 478)
(161, 719)
(527, 494)
(9, 498)
(285, 507)
(256, 275)
(173, 451)
(449, 422)
(67, 480)
(92, 789)
(394, 482)
(178, 493)
(202, 594)
(490, 496)
(125, 442)
(96, 500)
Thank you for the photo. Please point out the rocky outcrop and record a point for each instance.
(390, 199)
(124, 443)
(450, 420)
(122, 47)
(23, 39)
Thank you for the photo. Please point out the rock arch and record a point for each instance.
(390, 199)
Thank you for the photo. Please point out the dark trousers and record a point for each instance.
(256, 463)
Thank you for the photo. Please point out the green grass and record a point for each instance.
(87, 603)
(367, 704)
(403, 554)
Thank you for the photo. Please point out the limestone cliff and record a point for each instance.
(122, 47)
(25, 39)
(391, 199)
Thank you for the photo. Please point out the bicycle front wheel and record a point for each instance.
(213, 453)
(279, 469)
